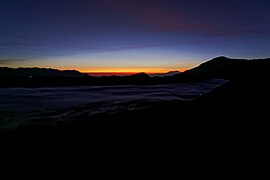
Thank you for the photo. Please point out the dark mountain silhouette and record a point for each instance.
(220, 67)
(140, 78)
(226, 68)
(26, 72)
(170, 73)
(36, 77)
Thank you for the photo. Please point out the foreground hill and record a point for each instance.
(226, 68)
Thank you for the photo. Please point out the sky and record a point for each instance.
(131, 35)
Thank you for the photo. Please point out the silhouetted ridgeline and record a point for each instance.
(170, 73)
(36, 77)
(26, 72)
(220, 67)
(225, 68)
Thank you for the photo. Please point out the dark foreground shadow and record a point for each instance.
(234, 114)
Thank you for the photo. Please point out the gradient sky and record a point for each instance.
(131, 35)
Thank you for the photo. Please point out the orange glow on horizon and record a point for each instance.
(130, 70)
(111, 73)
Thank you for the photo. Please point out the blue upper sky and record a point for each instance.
(131, 35)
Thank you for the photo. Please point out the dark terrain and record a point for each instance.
(238, 111)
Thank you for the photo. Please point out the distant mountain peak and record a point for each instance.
(220, 57)
(170, 73)
(142, 74)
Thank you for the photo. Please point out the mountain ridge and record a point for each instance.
(35, 71)
(230, 68)
(217, 68)
(170, 73)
